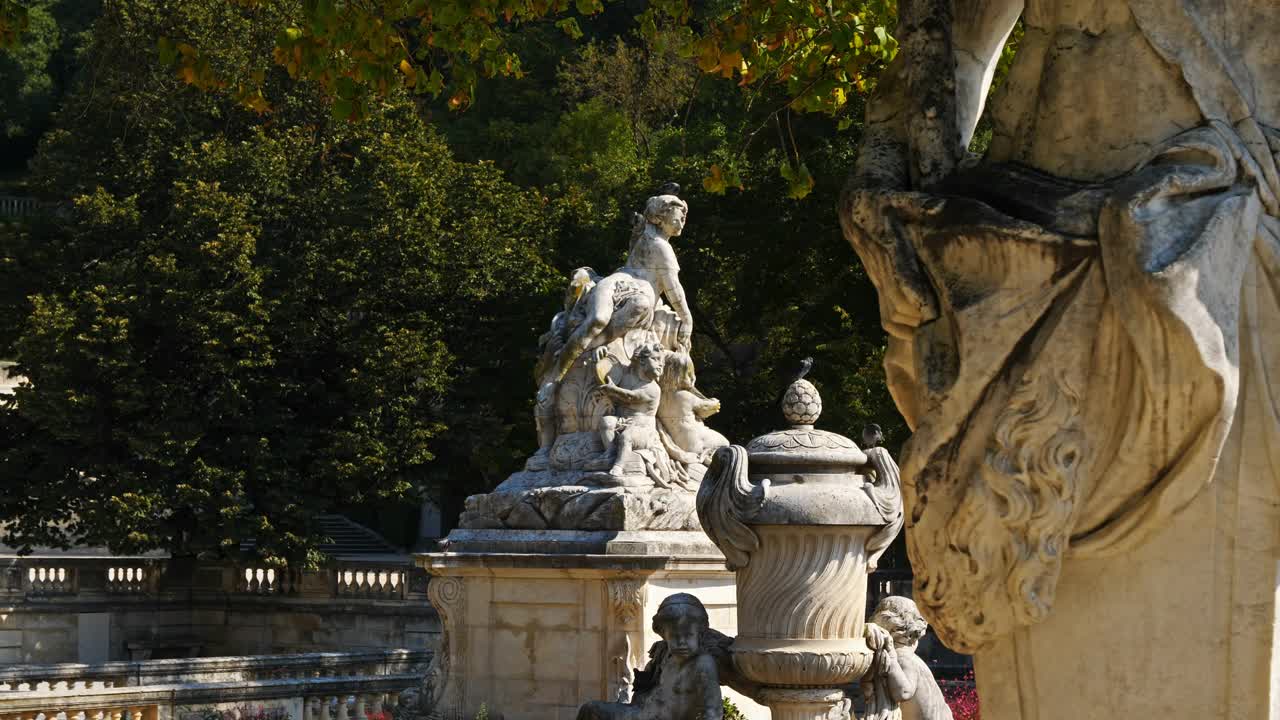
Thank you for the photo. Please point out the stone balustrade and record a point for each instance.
(37, 578)
(50, 580)
(131, 579)
(265, 581)
(85, 608)
(384, 583)
(64, 677)
(324, 698)
(13, 206)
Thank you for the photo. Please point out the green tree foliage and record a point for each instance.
(598, 125)
(243, 319)
(34, 73)
(820, 53)
(256, 309)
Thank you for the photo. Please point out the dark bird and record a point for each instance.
(805, 366)
(872, 436)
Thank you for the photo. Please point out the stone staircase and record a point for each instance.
(348, 537)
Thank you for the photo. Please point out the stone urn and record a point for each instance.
(801, 516)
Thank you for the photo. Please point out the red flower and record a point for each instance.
(962, 698)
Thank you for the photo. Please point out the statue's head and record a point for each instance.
(667, 213)
(682, 621)
(678, 372)
(900, 617)
(649, 360)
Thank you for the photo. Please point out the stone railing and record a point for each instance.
(266, 581)
(59, 578)
(379, 583)
(326, 698)
(63, 677)
(50, 579)
(13, 206)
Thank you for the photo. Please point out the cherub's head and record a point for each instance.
(648, 361)
(682, 621)
(902, 619)
(667, 213)
(678, 372)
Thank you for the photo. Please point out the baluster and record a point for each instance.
(393, 700)
(360, 711)
(116, 715)
(326, 708)
(343, 714)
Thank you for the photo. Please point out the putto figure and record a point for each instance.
(899, 684)
(683, 412)
(682, 680)
(633, 423)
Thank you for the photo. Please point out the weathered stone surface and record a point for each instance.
(622, 437)
(1084, 335)
(801, 516)
(899, 683)
(538, 622)
(682, 678)
(583, 508)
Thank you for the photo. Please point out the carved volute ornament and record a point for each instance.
(797, 514)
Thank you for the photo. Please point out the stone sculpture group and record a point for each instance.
(621, 432)
(801, 515)
(1084, 338)
(688, 666)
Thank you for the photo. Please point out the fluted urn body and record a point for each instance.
(801, 516)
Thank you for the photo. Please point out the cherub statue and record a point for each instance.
(633, 424)
(681, 680)
(899, 684)
(626, 299)
(682, 411)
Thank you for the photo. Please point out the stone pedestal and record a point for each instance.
(538, 622)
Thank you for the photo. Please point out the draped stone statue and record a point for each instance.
(1084, 336)
(621, 433)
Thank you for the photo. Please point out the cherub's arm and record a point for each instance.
(621, 393)
(705, 407)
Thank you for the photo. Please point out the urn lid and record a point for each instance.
(801, 443)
